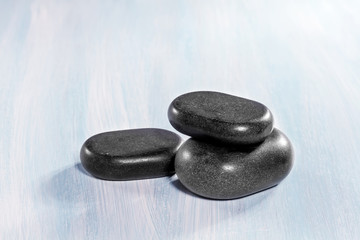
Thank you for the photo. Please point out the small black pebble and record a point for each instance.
(130, 154)
(228, 172)
(221, 117)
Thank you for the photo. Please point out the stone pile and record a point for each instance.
(234, 150)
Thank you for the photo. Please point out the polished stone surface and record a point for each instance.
(223, 172)
(221, 117)
(130, 154)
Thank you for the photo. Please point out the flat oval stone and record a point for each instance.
(221, 172)
(221, 117)
(130, 154)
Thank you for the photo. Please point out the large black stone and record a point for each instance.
(130, 154)
(221, 117)
(224, 172)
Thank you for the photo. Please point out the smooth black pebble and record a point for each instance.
(220, 116)
(130, 154)
(222, 172)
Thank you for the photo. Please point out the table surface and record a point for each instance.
(71, 69)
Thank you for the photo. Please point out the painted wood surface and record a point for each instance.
(71, 69)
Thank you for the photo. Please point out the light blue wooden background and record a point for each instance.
(71, 69)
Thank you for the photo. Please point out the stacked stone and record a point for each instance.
(234, 150)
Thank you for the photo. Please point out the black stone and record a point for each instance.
(130, 154)
(219, 172)
(221, 117)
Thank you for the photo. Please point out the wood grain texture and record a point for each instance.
(71, 69)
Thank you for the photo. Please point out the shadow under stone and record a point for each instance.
(69, 187)
(179, 186)
(82, 170)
